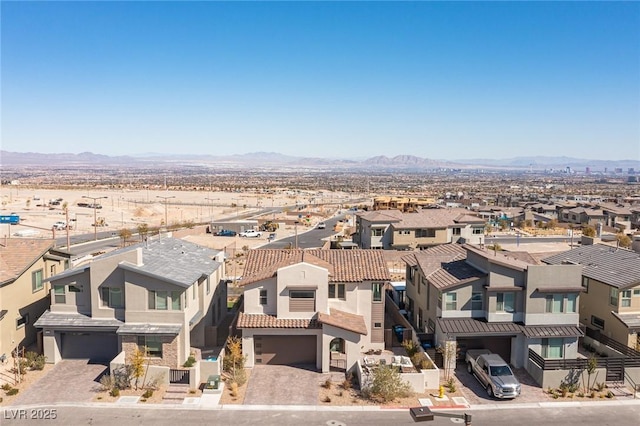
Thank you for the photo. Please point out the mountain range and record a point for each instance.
(273, 159)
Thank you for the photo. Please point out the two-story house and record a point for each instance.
(163, 296)
(610, 303)
(481, 299)
(25, 264)
(396, 230)
(317, 307)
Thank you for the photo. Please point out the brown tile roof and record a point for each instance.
(343, 265)
(344, 320)
(431, 218)
(18, 254)
(270, 321)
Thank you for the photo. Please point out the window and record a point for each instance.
(597, 322)
(585, 284)
(552, 348)
(337, 345)
(506, 302)
(175, 300)
(476, 301)
(158, 300)
(440, 299)
(377, 292)
(208, 285)
(22, 321)
(336, 291)
(112, 297)
(411, 272)
(425, 233)
(52, 270)
(36, 281)
(194, 290)
(74, 287)
(377, 232)
(636, 292)
(613, 296)
(263, 296)
(450, 301)
(151, 346)
(554, 303)
(455, 231)
(59, 295)
(571, 303)
(428, 297)
(302, 300)
(625, 300)
(478, 231)
(377, 325)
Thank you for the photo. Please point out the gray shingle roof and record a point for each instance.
(615, 267)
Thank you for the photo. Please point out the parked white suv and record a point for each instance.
(250, 233)
(60, 226)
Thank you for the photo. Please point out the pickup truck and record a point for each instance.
(493, 373)
(250, 233)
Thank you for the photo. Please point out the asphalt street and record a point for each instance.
(600, 413)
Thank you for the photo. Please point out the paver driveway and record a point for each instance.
(70, 380)
(282, 385)
(475, 393)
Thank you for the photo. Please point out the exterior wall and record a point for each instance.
(494, 316)
(463, 299)
(105, 272)
(19, 299)
(51, 342)
(635, 301)
(595, 301)
(251, 294)
(74, 301)
(441, 237)
(170, 351)
(248, 347)
(548, 277)
(353, 343)
(302, 276)
(554, 378)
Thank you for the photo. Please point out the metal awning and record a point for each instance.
(464, 327)
(165, 329)
(551, 331)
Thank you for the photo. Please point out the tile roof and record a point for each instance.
(343, 265)
(344, 320)
(386, 216)
(433, 218)
(74, 320)
(18, 254)
(616, 267)
(503, 258)
(270, 321)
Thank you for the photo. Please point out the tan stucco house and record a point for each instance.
(164, 296)
(322, 308)
(610, 303)
(25, 264)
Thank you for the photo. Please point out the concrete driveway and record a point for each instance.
(70, 380)
(282, 385)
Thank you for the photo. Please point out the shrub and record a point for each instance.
(122, 376)
(39, 362)
(451, 385)
(580, 394)
(31, 358)
(346, 384)
(190, 362)
(340, 393)
(327, 399)
(609, 394)
(6, 387)
(327, 384)
(147, 394)
(115, 392)
(107, 382)
(411, 347)
(600, 386)
(387, 385)
(13, 391)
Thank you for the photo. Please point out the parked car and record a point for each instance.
(60, 225)
(251, 233)
(226, 233)
(322, 225)
(493, 373)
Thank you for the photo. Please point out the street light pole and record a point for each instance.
(165, 198)
(95, 219)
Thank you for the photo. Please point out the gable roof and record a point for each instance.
(18, 254)
(444, 265)
(343, 265)
(344, 320)
(615, 267)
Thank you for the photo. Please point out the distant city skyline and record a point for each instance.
(438, 80)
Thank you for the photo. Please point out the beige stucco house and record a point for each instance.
(163, 296)
(480, 299)
(317, 307)
(25, 264)
(610, 303)
(397, 230)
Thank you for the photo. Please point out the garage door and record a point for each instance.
(99, 347)
(285, 350)
(497, 345)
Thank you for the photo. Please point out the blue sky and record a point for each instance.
(446, 80)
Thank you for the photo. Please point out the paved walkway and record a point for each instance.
(175, 394)
(70, 380)
(282, 385)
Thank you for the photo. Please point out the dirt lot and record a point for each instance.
(6, 377)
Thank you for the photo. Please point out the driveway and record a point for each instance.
(70, 380)
(282, 385)
(475, 393)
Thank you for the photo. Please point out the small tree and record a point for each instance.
(387, 385)
(143, 230)
(589, 231)
(449, 353)
(124, 234)
(552, 224)
(623, 240)
(233, 362)
(137, 365)
(528, 223)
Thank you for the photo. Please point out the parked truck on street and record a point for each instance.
(493, 373)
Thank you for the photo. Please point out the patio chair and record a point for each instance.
(369, 362)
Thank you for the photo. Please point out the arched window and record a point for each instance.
(337, 345)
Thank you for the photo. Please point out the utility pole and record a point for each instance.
(165, 198)
(95, 219)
